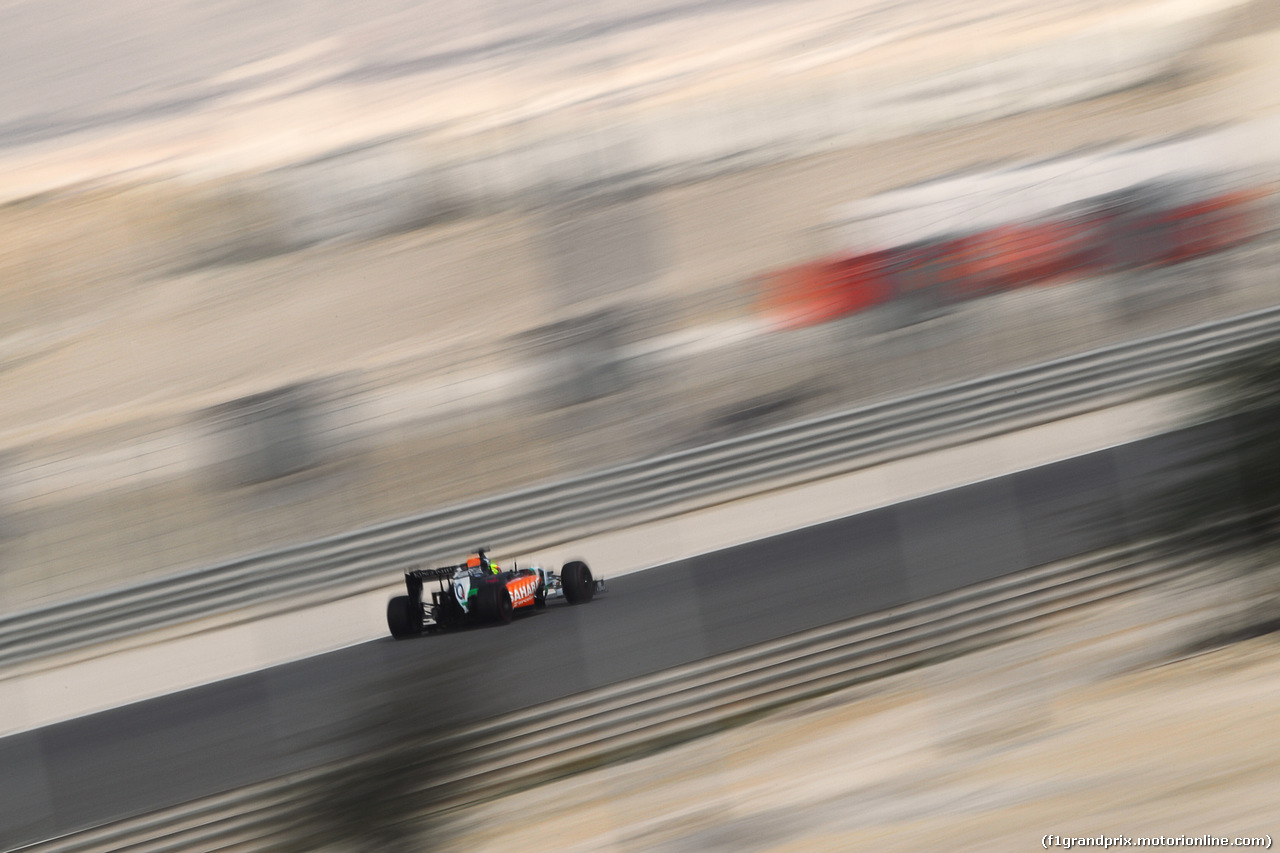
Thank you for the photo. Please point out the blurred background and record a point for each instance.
(272, 272)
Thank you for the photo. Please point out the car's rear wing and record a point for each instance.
(415, 578)
(441, 573)
(444, 573)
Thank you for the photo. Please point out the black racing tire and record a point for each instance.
(495, 603)
(579, 585)
(401, 619)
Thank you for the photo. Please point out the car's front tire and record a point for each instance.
(401, 618)
(579, 585)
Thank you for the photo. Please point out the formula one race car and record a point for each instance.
(479, 591)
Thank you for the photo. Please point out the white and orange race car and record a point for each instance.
(478, 590)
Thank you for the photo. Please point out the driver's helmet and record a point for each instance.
(483, 565)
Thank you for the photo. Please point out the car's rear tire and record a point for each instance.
(401, 618)
(579, 585)
(495, 603)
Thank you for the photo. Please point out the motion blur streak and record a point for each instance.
(271, 272)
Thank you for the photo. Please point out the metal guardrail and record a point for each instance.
(588, 729)
(375, 554)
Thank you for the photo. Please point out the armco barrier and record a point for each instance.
(369, 558)
(586, 730)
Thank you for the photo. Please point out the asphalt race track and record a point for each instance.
(220, 736)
